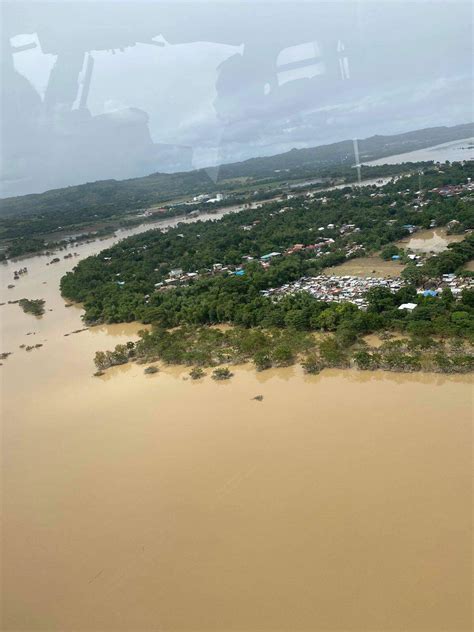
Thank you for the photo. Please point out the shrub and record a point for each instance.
(150, 370)
(312, 364)
(196, 373)
(262, 360)
(283, 355)
(221, 373)
(366, 361)
(332, 354)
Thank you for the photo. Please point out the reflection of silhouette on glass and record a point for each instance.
(56, 141)
(287, 75)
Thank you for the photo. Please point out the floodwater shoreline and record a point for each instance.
(371, 344)
(135, 501)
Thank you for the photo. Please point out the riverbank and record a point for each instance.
(208, 348)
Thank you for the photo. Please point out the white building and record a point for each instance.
(408, 306)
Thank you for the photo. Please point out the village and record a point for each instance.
(330, 288)
(178, 277)
(353, 289)
(342, 239)
(334, 288)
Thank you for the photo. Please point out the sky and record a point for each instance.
(100, 90)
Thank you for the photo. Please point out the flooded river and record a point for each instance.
(131, 502)
(453, 151)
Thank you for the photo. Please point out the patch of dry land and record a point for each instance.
(367, 267)
(469, 266)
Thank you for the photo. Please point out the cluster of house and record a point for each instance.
(320, 245)
(318, 248)
(449, 190)
(455, 283)
(353, 289)
(178, 276)
(337, 289)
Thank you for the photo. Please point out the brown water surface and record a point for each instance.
(132, 502)
(433, 240)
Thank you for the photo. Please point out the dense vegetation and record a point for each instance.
(277, 347)
(119, 284)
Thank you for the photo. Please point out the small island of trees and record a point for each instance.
(32, 306)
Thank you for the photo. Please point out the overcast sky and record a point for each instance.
(95, 90)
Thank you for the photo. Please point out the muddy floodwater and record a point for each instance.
(433, 240)
(133, 502)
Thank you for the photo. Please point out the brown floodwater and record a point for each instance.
(132, 502)
(433, 240)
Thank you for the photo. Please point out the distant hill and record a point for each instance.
(110, 197)
(343, 152)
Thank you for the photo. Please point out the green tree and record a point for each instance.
(262, 360)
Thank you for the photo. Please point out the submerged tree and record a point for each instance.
(222, 373)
